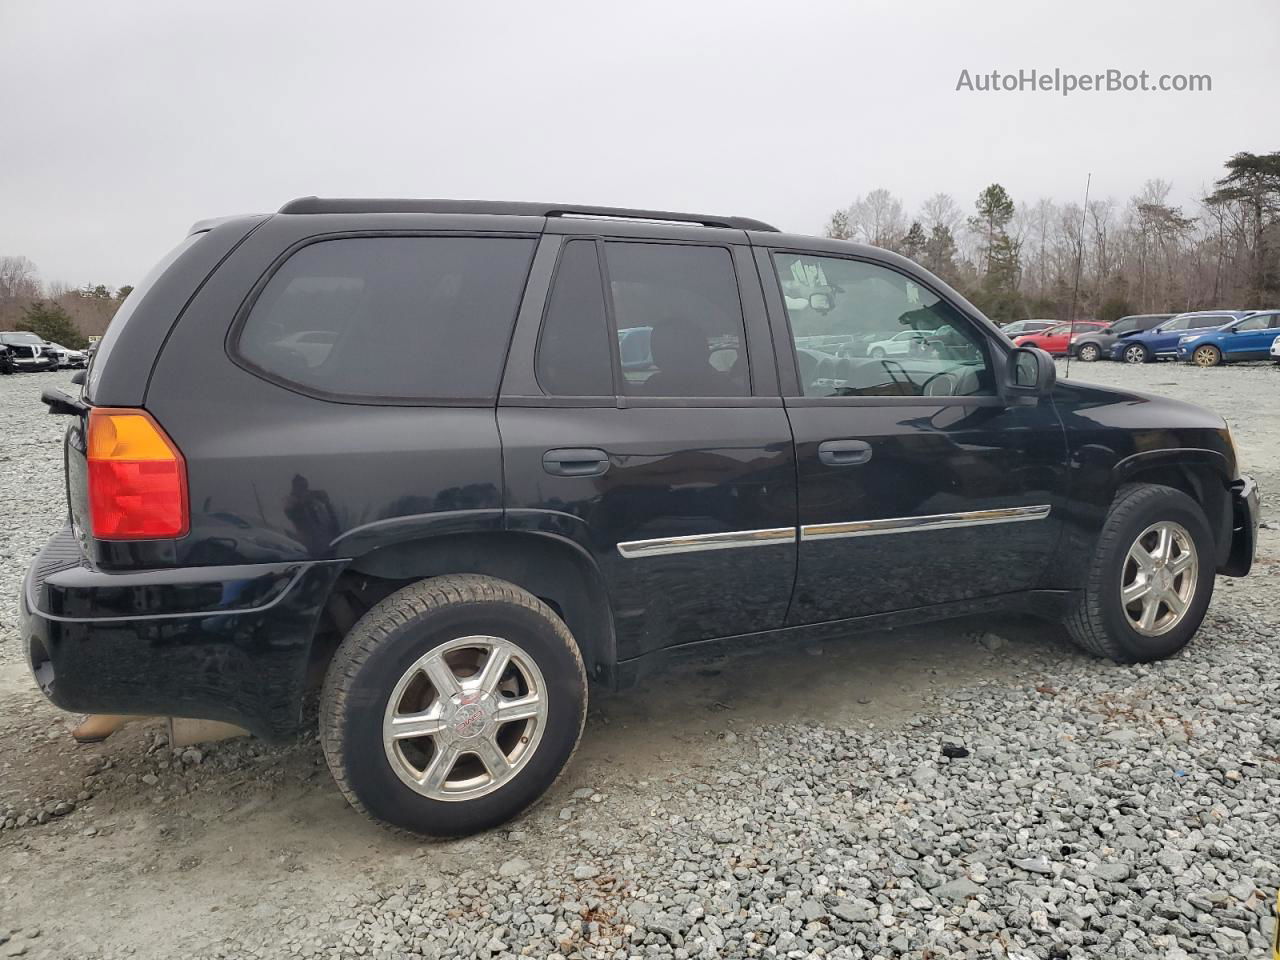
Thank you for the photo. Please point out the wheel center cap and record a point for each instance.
(471, 715)
(1164, 579)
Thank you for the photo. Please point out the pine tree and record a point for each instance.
(914, 241)
(50, 322)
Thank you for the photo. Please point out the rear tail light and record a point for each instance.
(137, 478)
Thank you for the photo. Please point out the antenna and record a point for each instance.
(1075, 290)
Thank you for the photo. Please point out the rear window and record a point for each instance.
(408, 318)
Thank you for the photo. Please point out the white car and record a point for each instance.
(908, 341)
(1275, 349)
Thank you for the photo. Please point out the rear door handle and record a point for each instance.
(844, 453)
(575, 462)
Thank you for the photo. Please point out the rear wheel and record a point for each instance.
(1207, 356)
(877, 354)
(452, 705)
(1089, 352)
(1151, 578)
(1136, 353)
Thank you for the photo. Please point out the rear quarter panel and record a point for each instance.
(275, 475)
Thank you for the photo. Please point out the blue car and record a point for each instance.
(1247, 339)
(1161, 342)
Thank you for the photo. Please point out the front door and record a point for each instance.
(641, 420)
(918, 483)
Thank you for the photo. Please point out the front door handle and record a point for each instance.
(844, 453)
(575, 462)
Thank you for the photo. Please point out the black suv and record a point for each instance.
(457, 458)
(26, 351)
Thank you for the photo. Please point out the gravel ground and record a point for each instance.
(975, 789)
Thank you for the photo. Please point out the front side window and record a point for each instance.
(393, 317)
(1199, 323)
(679, 320)
(1125, 325)
(1253, 323)
(861, 329)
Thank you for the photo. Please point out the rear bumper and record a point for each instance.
(228, 643)
(1244, 527)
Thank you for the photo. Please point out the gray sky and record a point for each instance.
(127, 120)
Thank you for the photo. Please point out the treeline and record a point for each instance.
(1016, 259)
(60, 314)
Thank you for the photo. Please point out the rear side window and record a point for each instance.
(392, 317)
(573, 352)
(679, 319)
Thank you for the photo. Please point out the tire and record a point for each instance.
(1100, 622)
(1206, 355)
(382, 659)
(877, 354)
(1089, 352)
(1136, 353)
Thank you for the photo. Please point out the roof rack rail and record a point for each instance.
(519, 209)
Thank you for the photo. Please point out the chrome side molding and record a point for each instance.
(937, 521)
(730, 540)
(733, 539)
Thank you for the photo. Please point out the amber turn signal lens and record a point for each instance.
(137, 477)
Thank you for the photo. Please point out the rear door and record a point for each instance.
(669, 460)
(918, 483)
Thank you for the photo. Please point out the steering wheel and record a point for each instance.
(946, 384)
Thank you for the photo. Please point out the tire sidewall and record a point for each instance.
(369, 772)
(1171, 505)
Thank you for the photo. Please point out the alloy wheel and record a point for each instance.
(1135, 354)
(1158, 578)
(1088, 353)
(465, 718)
(1206, 356)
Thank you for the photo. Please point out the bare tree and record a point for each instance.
(18, 280)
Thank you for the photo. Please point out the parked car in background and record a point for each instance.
(6, 360)
(1092, 345)
(29, 352)
(1247, 339)
(459, 528)
(1161, 341)
(900, 344)
(1019, 327)
(74, 359)
(1055, 340)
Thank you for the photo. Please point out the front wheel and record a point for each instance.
(1136, 353)
(452, 705)
(1150, 580)
(1088, 352)
(1207, 356)
(877, 354)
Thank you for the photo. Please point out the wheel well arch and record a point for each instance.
(558, 572)
(1201, 475)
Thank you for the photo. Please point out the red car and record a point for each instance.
(1055, 339)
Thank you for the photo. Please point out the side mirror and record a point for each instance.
(1157, 329)
(1031, 373)
(820, 302)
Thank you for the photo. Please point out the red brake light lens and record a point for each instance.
(137, 478)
